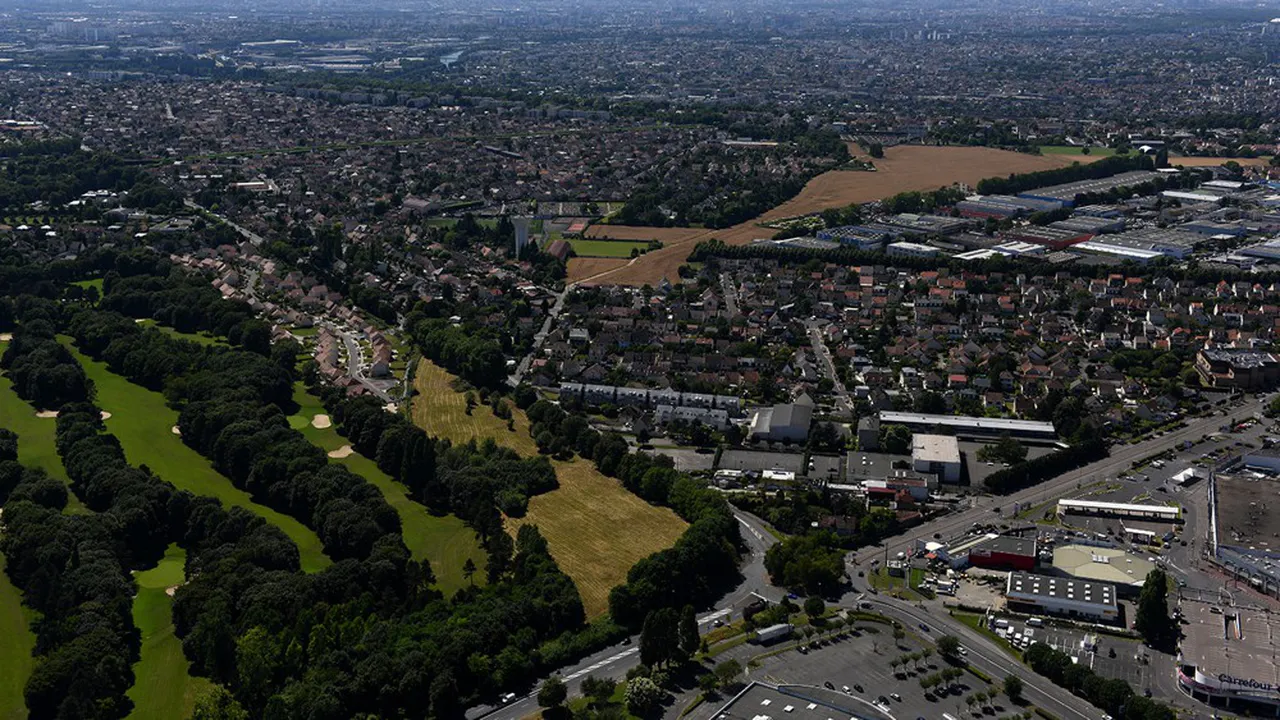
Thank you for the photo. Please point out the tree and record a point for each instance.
(659, 638)
(469, 570)
(949, 647)
(552, 693)
(598, 689)
(729, 672)
(689, 639)
(895, 439)
(926, 654)
(216, 703)
(813, 606)
(1013, 688)
(875, 150)
(898, 633)
(642, 695)
(1152, 616)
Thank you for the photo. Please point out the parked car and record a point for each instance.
(896, 697)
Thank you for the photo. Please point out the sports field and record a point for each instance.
(595, 528)
(35, 436)
(903, 168)
(162, 688)
(144, 424)
(606, 248)
(443, 541)
(16, 643)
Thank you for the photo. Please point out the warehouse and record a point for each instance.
(1042, 594)
(1090, 225)
(936, 454)
(1004, 552)
(964, 424)
(1067, 192)
(1267, 459)
(1138, 255)
(1053, 238)
(1112, 565)
(910, 249)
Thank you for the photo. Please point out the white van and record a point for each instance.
(1035, 622)
(1002, 623)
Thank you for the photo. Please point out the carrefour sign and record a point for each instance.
(1249, 683)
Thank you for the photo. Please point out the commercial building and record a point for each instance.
(1112, 565)
(964, 424)
(1065, 597)
(1050, 237)
(1244, 369)
(858, 236)
(1090, 225)
(1004, 552)
(1118, 510)
(911, 249)
(1267, 252)
(1227, 657)
(1016, 249)
(937, 454)
(1267, 459)
(788, 422)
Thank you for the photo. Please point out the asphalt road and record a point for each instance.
(525, 362)
(1121, 458)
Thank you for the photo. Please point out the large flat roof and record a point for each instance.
(1246, 518)
(1095, 505)
(1046, 586)
(1237, 642)
(1111, 565)
(935, 448)
(965, 421)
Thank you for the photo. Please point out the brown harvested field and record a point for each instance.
(1214, 161)
(581, 268)
(903, 168)
(595, 528)
(633, 232)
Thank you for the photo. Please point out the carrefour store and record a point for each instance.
(1228, 657)
(1261, 697)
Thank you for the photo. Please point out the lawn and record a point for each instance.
(95, 283)
(35, 436)
(201, 338)
(606, 248)
(162, 688)
(595, 528)
(143, 423)
(1094, 152)
(15, 648)
(443, 541)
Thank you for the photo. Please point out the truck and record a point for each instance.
(773, 633)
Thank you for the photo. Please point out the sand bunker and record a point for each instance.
(104, 415)
(171, 590)
(341, 452)
(6, 337)
(321, 422)
(47, 414)
(175, 430)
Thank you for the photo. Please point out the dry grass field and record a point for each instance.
(1215, 161)
(595, 528)
(582, 268)
(903, 168)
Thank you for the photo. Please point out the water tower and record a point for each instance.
(522, 233)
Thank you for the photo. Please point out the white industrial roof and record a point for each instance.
(964, 421)
(1119, 507)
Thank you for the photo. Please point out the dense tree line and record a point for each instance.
(464, 351)
(1037, 470)
(58, 171)
(1075, 172)
(1111, 694)
(812, 563)
(43, 372)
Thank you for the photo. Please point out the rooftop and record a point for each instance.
(966, 422)
(1104, 564)
(1237, 642)
(766, 702)
(1047, 586)
(1247, 511)
(935, 448)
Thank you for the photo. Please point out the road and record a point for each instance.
(730, 294)
(246, 233)
(828, 365)
(615, 661)
(1122, 457)
(355, 364)
(525, 362)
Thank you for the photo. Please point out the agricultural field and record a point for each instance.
(444, 541)
(595, 528)
(1216, 161)
(144, 424)
(903, 168)
(18, 642)
(583, 268)
(606, 248)
(35, 436)
(162, 688)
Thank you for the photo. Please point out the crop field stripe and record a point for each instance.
(143, 423)
(444, 541)
(596, 529)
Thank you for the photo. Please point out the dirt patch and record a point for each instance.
(1213, 161)
(6, 337)
(903, 168)
(47, 414)
(341, 452)
(320, 422)
(104, 415)
(176, 430)
(582, 268)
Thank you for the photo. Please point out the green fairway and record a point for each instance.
(1094, 152)
(16, 643)
(443, 541)
(95, 283)
(606, 248)
(143, 423)
(201, 338)
(162, 688)
(35, 436)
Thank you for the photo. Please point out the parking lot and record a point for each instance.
(1094, 650)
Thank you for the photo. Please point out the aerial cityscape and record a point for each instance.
(640, 360)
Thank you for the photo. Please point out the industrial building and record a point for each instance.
(938, 455)
(1266, 252)
(788, 422)
(858, 236)
(911, 249)
(1066, 193)
(1043, 594)
(1266, 459)
(1004, 552)
(1240, 368)
(964, 424)
(1090, 225)
(1118, 510)
(1003, 206)
(1052, 238)
(1101, 563)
